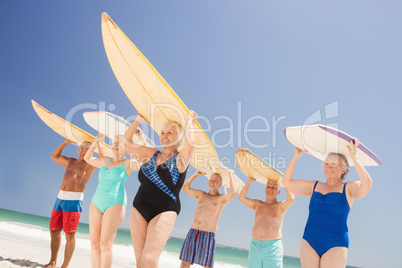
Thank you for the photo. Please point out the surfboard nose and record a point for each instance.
(105, 16)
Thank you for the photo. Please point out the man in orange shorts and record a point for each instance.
(68, 206)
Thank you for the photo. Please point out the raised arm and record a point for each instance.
(98, 161)
(289, 200)
(185, 154)
(101, 150)
(298, 187)
(233, 188)
(190, 191)
(137, 151)
(61, 159)
(250, 203)
(359, 189)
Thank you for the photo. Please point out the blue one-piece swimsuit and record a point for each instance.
(326, 225)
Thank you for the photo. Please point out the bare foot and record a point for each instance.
(51, 264)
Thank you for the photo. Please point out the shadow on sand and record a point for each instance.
(22, 263)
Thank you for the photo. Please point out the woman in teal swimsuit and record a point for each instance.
(325, 240)
(108, 206)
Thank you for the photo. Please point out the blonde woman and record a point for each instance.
(162, 174)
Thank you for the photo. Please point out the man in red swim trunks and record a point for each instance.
(68, 206)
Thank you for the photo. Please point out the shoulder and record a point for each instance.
(258, 202)
(202, 194)
(71, 159)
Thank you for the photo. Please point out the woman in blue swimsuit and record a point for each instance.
(326, 240)
(108, 206)
(162, 173)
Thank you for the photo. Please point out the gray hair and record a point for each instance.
(218, 175)
(344, 163)
(272, 181)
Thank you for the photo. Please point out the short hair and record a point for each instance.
(218, 175)
(177, 126)
(120, 137)
(274, 182)
(179, 129)
(344, 163)
(89, 143)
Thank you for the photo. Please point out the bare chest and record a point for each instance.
(269, 212)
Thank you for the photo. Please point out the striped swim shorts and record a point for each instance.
(66, 211)
(199, 248)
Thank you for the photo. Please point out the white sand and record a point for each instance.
(15, 254)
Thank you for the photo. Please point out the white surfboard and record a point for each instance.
(112, 125)
(254, 167)
(320, 140)
(152, 96)
(65, 128)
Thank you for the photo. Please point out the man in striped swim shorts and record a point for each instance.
(199, 246)
(68, 206)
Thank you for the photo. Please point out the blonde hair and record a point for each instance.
(344, 163)
(120, 137)
(177, 126)
(179, 129)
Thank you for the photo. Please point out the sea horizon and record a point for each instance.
(34, 228)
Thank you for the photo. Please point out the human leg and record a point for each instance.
(185, 264)
(138, 229)
(272, 253)
(334, 258)
(111, 220)
(55, 241)
(69, 249)
(55, 226)
(254, 255)
(308, 256)
(158, 232)
(95, 221)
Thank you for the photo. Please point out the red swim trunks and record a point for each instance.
(66, 211)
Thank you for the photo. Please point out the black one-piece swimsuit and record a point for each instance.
(160, 188)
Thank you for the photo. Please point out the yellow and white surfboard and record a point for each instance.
(152, 96)
(65, 128)
(254, 167)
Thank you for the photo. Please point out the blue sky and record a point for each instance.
(280, 61)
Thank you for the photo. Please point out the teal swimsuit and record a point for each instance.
(110, 190)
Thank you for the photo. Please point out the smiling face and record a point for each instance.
(84, 147)
(215, 182)
(169, 135)
(272, 189)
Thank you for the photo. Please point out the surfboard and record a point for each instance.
(112, 125)
(254, 167)
(151, 95)
(65, 128)
(320, 140)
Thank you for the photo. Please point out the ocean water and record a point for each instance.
(33, 228)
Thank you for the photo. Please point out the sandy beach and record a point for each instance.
(15, 253)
